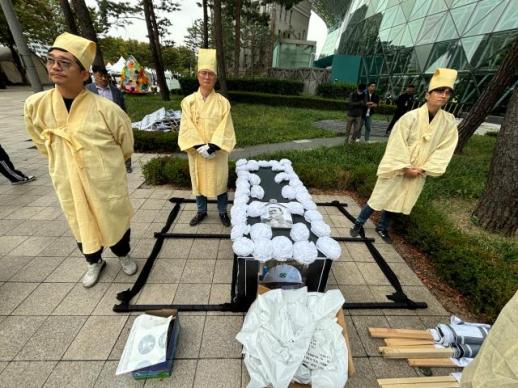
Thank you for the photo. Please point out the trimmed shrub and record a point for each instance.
(262, 85)
(152, 141)
(336, 90)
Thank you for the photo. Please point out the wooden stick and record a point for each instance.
(415, 380)
(383, 332)
(406, 342)
(432, 362)
(423, 351)
(424, 385)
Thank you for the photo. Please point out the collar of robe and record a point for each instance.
(425, 123)
(200, 96)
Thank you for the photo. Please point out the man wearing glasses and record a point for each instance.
(103, 87)
(207, 135)
(420, 145)
(86, 139)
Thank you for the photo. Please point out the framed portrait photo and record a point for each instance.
(277, 216)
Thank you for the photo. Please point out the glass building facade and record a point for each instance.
(404, 41)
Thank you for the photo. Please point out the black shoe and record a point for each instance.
(27, 179)
(224, 219)
(384, 235)
(199, 217)
(129, 170)
(356, 230)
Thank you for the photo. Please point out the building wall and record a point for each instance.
(404, 41)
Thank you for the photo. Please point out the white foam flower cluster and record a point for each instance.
(256, 240)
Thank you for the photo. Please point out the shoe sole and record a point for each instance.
(133, 273)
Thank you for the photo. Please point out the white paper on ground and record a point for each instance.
(146, 344)
(457, 376)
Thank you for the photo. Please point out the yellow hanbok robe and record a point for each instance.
(86, 149)
(206, 122)
(496, 364)
(414, 142)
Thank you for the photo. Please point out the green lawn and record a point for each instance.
(254, 124)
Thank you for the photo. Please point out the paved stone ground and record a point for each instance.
(55, 333)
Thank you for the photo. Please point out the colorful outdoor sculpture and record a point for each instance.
(134, 79)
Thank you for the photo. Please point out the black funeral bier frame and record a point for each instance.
(245, 271)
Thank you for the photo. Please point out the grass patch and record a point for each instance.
(254, 124)
(483, 266)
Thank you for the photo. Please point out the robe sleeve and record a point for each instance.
(397, 153)
(38, 141)
(188, 136)
(224, 136)
(119, 124)
(440, 158)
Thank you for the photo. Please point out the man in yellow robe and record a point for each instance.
(207, 135)
(86, 139)
(420, 145)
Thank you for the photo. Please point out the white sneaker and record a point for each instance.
(128, 265)
(92, 274)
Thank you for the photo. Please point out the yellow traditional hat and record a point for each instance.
(443, 78)
(81, 48)
(207, 60)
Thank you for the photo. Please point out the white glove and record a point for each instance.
(204, 151)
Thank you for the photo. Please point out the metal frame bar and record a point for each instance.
(399, 298)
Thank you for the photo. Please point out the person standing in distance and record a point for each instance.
(404, 103)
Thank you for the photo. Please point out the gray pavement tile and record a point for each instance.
(43, 299)
(345, 255)
(380, 295)
(429, 322)
(111, 270)
(191, 333)
(77, 374)
(192, 294)
(105, 306)
(218, 373)
(118, 348)
(26, 212)
(166, 271)
(347, 273)
(48, 213)
(154, 204)
(70, 270)
(198, 271)
(27, 228)
(81, 300)
(11, 265)
(137, 202)
(204, 249)
(142, 193)
(145, 215)
(185, 216)
(143, 248)
(13, 294)
(354, 340)
(54, 228)
(52, 338)
(225, 251)
(3, 364)
(26, 374)
(183, 228)
(96, 338)
(14, 333)
(406, 276)
(219, 337)
(404, 322)
(37, 270)
(389, 253)
(219, 294)
(223, 272)
(359, 252)
(61, 246)
(372, 274)
(359, 294)
(162, 216)
(32, 246)
(108, 379)
(364, 376)
(8, 243)
(8, 225)
(422, 294)
(370, 344)
(176, 248)
(340, 221)
(140, 230)
(157, 294)
(385, 368)
(162, 193)
(182, 376)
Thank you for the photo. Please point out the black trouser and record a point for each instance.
(396, 117)
(7, 169)
(120, 249)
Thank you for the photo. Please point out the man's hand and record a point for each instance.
(413, 172)
(204, 151)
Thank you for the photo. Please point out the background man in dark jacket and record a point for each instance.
(356, 107)
(404, 103)
(372, 101)
(103, 87)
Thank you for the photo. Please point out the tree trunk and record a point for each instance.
(16, 58)
(237, 32)
(154, 45)
(497, 210)
(218, 27)
(489, 97)
(87, 29)
(205, 25)
(70, 22)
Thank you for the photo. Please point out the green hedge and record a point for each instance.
(299, 102)
(483, 269)
(160, 142)
(336, 90)
(262, 85)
